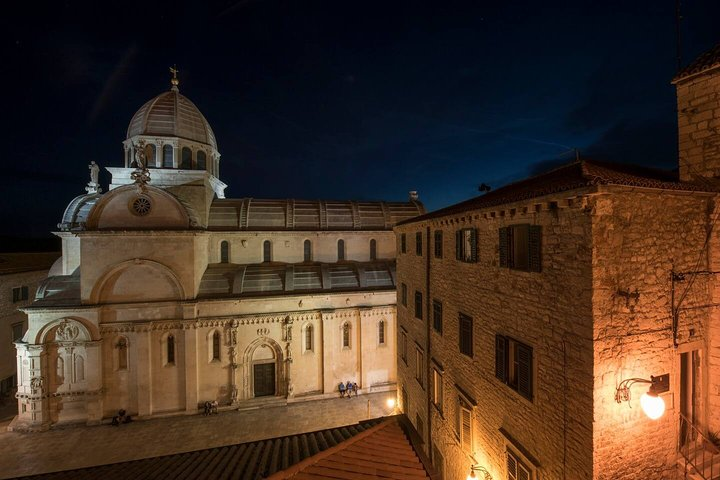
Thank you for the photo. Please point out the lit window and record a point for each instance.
(466, 245)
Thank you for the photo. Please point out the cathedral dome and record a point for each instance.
(171, 114)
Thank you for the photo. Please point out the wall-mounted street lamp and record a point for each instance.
(478, 468)
(651, 403)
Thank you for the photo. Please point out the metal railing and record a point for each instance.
(699, 453)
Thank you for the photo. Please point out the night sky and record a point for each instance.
(343, 100)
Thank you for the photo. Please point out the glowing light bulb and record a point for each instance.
(391, 403)
(471, 476)
(652, 405)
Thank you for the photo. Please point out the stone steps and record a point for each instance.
(701, 467)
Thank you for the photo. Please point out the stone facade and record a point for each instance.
(626, 287)
(167, 296)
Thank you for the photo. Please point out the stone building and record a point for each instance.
(168, 295)
(533, 318)
(20, 274)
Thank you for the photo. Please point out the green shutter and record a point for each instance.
(534, 245)
(524, 356)
(503, 233)
(501, 365)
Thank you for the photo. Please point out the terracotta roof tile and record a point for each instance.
(384, 451)
(578, 174)
(706, 61)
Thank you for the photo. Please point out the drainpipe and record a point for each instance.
(428, 304)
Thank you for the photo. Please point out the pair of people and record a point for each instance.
(211, 407)
(348, 388)
(121, 417)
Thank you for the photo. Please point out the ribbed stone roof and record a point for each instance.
(227, 279)
(171, 114)
(77, 212)
(292, 214)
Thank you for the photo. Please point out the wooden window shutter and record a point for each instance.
(458, 245)
(503, 234)
(534, 244)
(466, 422)
(522, 472)
(501, 365)
(474, 244)
(511, 466)
(524, 360)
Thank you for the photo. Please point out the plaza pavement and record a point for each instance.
(71, 447)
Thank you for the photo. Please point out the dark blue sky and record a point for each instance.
(350, 100)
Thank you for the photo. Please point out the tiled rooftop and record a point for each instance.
(578, 174)
(376, 448)
(706, 61)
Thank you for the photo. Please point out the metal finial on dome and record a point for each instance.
(174, 80)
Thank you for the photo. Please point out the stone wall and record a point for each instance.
(639, 237)
(549, 311)
(698, 101)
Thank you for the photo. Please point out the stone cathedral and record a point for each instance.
(168, 294)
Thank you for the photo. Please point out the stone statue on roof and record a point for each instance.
(93, 185)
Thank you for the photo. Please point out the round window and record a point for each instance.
(141, 206)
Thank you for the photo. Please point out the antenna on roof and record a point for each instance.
(678, 18)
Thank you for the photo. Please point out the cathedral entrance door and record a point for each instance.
(264, 379)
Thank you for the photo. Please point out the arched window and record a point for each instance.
(307, 251)
(79, 368)
(381, 332)
(373, 249)
(267, 251)
(224, 252)
(216, 345)
(201, 160)
(341, 249)
(308, 338)
(60, 370)
(168, 156)
(186, 158)
(170, 349)
(122, 347)
(346, 335)
(150, 155)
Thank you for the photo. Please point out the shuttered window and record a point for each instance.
(437, 316)
(418, 305)
(516, 468)
(466, 335)
(438, 244)
(464, 425)
(514, 365)
(437, 389)
(520, 247)
(418, 243)
(466, 245)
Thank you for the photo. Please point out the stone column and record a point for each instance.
(191, 370)
(32, 395)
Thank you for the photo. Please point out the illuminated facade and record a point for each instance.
(168, 295)
(524, 313)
